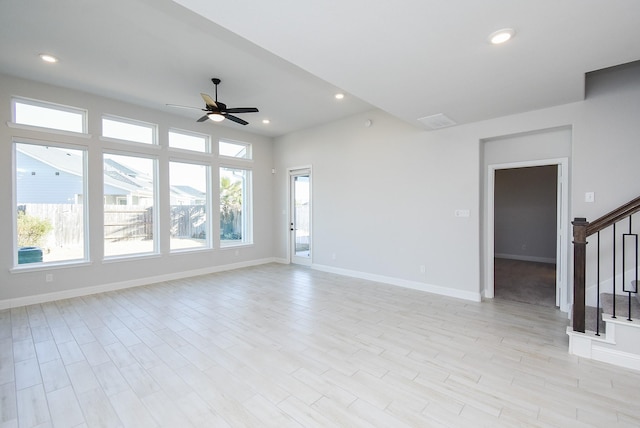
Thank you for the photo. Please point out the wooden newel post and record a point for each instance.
(579, 267)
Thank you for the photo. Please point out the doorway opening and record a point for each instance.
(527, 232)
(525, 221)
(300, 239)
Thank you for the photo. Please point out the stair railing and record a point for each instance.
(582, 229)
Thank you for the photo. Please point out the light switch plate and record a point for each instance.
(589, 197)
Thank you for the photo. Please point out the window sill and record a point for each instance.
(236, 246)
(47, 130)
(190, 250)
(35, 267)
(130, 257)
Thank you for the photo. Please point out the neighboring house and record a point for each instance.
(37, 173)
(187, 195)
(57, 172)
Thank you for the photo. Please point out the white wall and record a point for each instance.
(15, 286)
(384, 196)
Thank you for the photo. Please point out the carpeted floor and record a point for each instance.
(527, 282)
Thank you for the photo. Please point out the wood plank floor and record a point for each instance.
(285, 346)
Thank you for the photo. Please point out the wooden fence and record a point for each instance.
(66, 219)
(121, 222)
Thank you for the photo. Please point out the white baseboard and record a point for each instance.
(85, 291)
(429, 288)
(525, 258)
(618, 358)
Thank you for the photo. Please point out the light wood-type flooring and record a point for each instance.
(286, 346)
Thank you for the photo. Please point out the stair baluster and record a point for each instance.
(582, 229)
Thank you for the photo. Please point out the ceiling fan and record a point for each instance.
(218, 111)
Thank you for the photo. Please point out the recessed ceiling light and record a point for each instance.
(48, 58)
(339, 96)
(266, 121)
(501, 36)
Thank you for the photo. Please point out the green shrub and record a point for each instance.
(32, 230)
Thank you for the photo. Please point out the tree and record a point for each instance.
(230, 207)
(32, 230)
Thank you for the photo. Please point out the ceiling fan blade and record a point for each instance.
(209, 101)
(242, 110)
(203, 118)
(236, 119)
(189, 107)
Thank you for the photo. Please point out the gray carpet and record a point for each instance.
(527, 282)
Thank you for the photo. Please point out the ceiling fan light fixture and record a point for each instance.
(216, 117)
(501, 36)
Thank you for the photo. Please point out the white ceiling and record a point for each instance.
(410, 58)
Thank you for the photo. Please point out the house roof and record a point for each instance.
(412, 59)
(118, 175)
(188, 191)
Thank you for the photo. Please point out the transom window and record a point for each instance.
(234, 149)
(128, 130)
(186, 140)
(49, 115)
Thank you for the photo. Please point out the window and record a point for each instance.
(234, 149)
(128, 130)
(189, 198)
(49, 115)
(129, 201)
(235, 209)
(189, 141)
(50, 189)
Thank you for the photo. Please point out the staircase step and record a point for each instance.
(591, 314)
(622, 305)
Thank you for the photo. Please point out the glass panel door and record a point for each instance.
(300, 226)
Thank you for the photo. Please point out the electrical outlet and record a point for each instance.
(48, 277)
(333, 256)
(423, 268)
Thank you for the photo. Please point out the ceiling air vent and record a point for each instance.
(437, 121)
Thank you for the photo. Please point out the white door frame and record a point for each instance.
(291, 255)
(562, 227)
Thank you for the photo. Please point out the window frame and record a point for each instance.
(155, 230)
(247, 146)
(129, 121)
(208, 204)
(247, 207)
(86, 259)
(84, 113)
(206, 137)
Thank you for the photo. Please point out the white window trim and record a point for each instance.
(85, 208)
(208, 204)
(49, 105)
(249, 147)
(155, 252)
(207, 143)
(141, 123)
(247, 199)
(47, 130)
